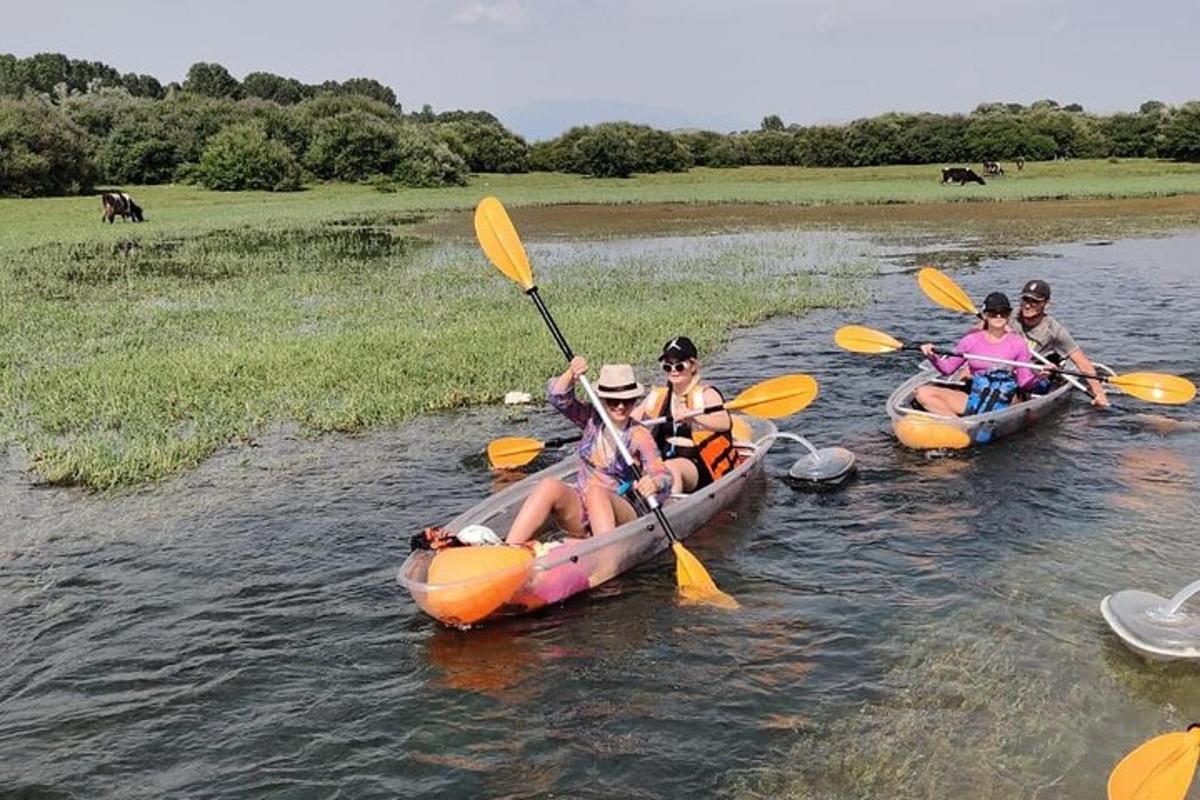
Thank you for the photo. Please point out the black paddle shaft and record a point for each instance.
(561, 341)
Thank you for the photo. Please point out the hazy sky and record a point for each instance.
(543, 64)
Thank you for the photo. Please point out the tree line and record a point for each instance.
(67, 125)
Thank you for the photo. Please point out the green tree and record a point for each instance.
(1133, 135)
(771, 122)
(41, 151)
(486, 146)
(276, 88)
(606, 151)
(351, 146)
(700, 145)
(770, 146)
(142, 85)
(1181, 138)
(211, 80)
(658, 151)
(241, 157)
(369, 87)
(422, 161)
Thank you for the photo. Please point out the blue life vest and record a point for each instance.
(991, 391)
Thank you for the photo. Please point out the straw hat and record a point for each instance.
(617, 382)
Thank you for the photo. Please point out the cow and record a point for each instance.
(992, 168)
(961, 176)
(119, 204)
(1020, 163)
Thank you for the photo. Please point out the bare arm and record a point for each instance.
(1084, 364)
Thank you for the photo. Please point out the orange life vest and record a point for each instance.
(713, 450)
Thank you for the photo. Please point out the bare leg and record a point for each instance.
(684, 475)
(551, 496)
(942, 400)
(606, 510)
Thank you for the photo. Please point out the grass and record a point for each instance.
(129, 353)
(120, 370)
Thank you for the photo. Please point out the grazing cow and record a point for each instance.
(961, 176)
(992, 168)
(119, 204)
(1020, 163)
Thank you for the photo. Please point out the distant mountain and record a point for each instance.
(545, 120)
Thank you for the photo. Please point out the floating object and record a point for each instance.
(517, 398)
(465, 589)
(921, 430)
(1155, 627)
(827, 466)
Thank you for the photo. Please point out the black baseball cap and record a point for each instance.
(997, 301)
(678, 349)
(1036, 290)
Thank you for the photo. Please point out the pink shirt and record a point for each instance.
(1012, 347)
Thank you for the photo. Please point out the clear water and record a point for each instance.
(930, 630)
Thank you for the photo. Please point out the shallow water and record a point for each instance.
(930, 630)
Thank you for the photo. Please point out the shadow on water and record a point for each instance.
(929, 630)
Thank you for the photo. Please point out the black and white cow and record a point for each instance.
(960, 175)
(119, 204)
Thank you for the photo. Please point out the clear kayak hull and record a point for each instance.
(976, 429)
(488, 581)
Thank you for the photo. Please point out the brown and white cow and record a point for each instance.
(119, 204)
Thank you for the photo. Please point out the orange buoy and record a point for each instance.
(466, 584)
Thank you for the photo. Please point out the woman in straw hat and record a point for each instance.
(597, 501)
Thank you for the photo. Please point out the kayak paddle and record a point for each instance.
(769, 399)
(1159, 769)
(1153, 387)
(503, 248)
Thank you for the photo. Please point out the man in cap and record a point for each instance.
(1050, 338)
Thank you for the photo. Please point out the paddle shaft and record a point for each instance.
(1027, 364)
(598, 407)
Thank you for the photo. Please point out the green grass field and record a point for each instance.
(237, 312)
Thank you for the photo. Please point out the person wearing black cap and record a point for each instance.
(698, 447)
(1050, 338)
(991, 388)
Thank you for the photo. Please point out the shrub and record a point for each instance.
(606, 151)
(351, 146)
(423, 161)
(41, 151)
(486, 146)
(241, 157)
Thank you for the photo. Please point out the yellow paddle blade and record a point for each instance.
(500, 242)
(941, 289)
(509, 452)
(858, 339)
(695, 584)
(1154, 387)
(777, 397)
(742, 432)
(1160, 769)
(924, 433)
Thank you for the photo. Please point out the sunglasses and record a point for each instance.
(1029, 301)
(994, 313)
(617, 402)
(674, 366)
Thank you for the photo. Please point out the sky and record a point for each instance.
(543, 65)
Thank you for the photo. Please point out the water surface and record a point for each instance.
(930, 630)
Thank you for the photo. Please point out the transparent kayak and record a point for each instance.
(463, 586)
(979, 428)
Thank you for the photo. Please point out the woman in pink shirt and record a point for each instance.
(994, 340)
